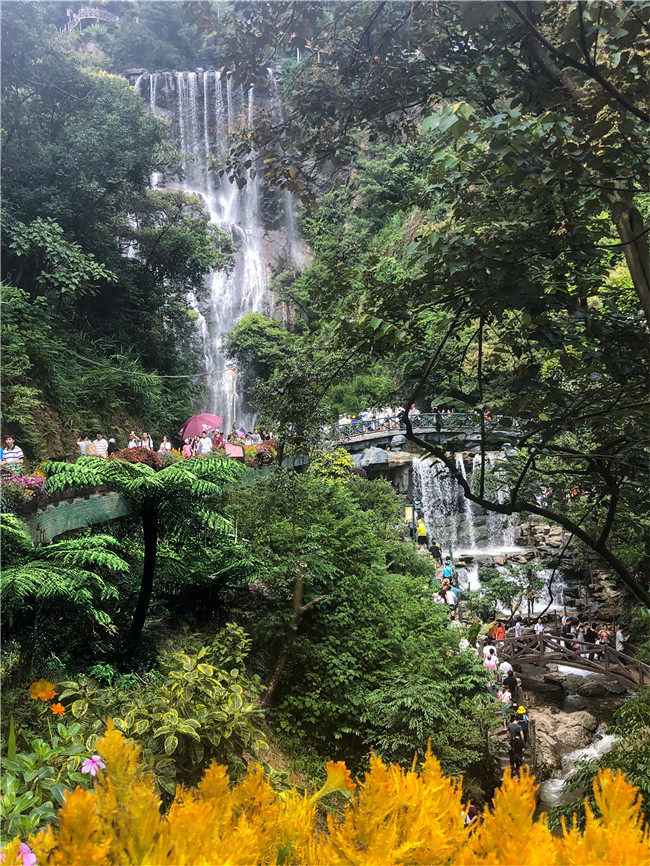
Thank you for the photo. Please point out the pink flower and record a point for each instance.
(92, 765)
(29, 858)
(24, 857)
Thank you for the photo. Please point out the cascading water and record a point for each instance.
(457, 524)
(204, 109)
(553, 791)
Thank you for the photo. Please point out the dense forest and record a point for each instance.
(469, 185)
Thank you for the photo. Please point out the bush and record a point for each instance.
(139, 455)
(20, 489)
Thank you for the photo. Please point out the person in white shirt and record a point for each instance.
(101, 445)
(146, 441)
(518, 629)
(205, 443)
(82, 444)
(539, 628)
(165, 446)
(487, 649)
(12, 455)
(134, 442)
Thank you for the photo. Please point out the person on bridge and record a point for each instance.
(519, 629)
(591, 636)
(501, 633)
(539, 629)
(567, 632)
(621, 640)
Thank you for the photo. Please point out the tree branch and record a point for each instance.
(513, 507)
(587, 69)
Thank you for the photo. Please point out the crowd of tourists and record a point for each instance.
(192, 446)
(380, 415)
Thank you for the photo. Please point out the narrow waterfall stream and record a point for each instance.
(553, 791)
(203, 109)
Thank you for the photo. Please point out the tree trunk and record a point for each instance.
(297, 610)
(150, 534)
(634, 240)
(283, 655)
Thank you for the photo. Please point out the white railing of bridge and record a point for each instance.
(87, 12)
(456, 422)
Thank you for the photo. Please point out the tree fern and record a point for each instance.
(174, 501)
(69, 572)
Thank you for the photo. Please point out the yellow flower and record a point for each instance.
(338, 779)
(41, 690)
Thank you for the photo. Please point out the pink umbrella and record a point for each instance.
(195, 425)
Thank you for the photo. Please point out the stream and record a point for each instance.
(552, 791)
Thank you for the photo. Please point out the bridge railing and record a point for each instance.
(458, 422)
(538, 648)
(87, 12)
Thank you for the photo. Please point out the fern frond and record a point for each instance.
(16, 543)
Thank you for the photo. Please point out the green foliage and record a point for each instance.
(69, 581)
(34, 782)
(505, 589)
(204, 707)
(78, 149)
(335, 465)
(376, 628)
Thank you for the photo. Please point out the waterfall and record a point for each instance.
(552, 791)
(457, 524)
(203, 108)
(467, 505)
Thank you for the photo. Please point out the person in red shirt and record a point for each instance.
(217, 439)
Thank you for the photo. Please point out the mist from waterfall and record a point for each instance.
(457, 524)
(204, 108)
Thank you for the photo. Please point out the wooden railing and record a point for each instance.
(541, 649)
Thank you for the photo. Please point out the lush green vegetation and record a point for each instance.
(84, 323)
(474, 188)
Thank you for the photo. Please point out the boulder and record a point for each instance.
(573, 683)
(592, 689)
(615, 688)
(573, 703)
(399, 458)
(555, 678)
(398, 441)
(374, 457)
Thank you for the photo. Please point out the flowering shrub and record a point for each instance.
(394, 816)
(138, 455)
(18, 489)
(258, 455)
